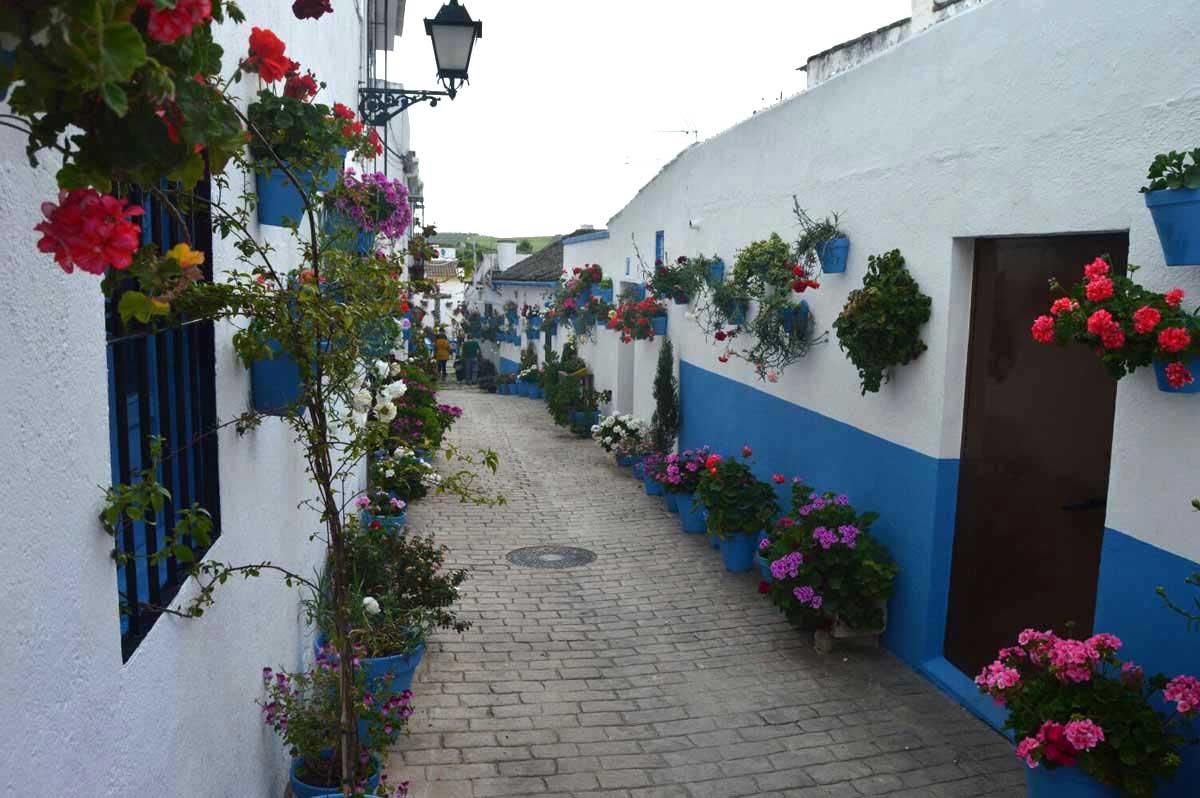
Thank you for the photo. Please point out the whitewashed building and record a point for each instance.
(163, 706)
(995, 144)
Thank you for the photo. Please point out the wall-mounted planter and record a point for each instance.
(605, 294)
(794, 317)
(716, 272)
(1176, 214)
(275, 385)
(833, 254)
(345, 235)
(1192, 364)
(511, 315)
(737, 314)
(1041, 782)
(737, 551)
(280, 200)
(535, 324)
(659, 325)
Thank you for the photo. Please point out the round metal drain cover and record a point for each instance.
(551, 557)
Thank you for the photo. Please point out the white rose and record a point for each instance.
(371, 606)
(397, 369)
(390, 473)
(382, 369)
(395, 389)
(385, 412)
(362, 399)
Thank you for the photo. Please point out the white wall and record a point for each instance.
(1016, 117)
(178, 718)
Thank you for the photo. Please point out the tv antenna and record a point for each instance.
(695, 134)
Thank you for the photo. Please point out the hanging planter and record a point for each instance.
(794, 317)
(345, 236)
(278, 198)
(604, 294)
(535, 324)
(275, 383)
(659, 325)
(833, 255)
(1161, 372)
(1173, 197)
(716, 272)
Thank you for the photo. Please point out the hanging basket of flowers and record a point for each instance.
(1173, 197)
(358, 209)
(1127, 326)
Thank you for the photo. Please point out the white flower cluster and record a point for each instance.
(621, 434)
(532, 371)
(381, 401)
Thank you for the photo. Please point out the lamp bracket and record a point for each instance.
(377, 105)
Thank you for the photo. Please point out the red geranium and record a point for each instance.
(1174, 339)
(342, 111)
(89, 230)
(266, 56)
(311, 9)
(376, 142)
(301, 87)
(1174, 297)
(166, 25)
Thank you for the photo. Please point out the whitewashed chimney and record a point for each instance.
(507, 252)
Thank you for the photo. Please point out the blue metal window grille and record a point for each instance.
(660, 246)
(628, 263)
(161, 383)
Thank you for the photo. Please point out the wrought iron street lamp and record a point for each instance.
(454, 34)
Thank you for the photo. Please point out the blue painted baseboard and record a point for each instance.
(1158, 639)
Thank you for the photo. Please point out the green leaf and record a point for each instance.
(115, 98)
(135, 305)
(122, 51)
(183, 553)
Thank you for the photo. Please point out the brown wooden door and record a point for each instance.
(1037, 441)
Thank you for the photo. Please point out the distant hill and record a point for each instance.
(487, 243)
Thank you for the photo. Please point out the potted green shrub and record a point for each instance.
(739, 505)
(1088, 724)
(681, 280)
(1173, 197)
(382, 510)
(1127, 326)
(828, 572)
(821, 238)
(880, 326)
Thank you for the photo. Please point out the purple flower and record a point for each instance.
(842, 500)
(849, 534)
(804, 594)
(362, 502)
(826, 537)
(764, 544)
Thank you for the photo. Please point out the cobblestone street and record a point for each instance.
(650, 671)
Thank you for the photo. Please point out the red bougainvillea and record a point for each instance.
(90, 230)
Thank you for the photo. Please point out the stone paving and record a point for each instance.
(650, 672)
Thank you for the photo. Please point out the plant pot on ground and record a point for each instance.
(738, 506)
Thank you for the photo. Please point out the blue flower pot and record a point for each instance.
(764, 568)
(833, 254)
(391, 675)
(653, 487)
(737, 314)
(392, 524)
(522, 389)
(535, 324)
(737, 551)
(716, 272)
(794, 317)
(536, 392)
(625, 460)
(275, 385)
(1041, 782)
(691, 519)
(511, 315)
(605, 294)
(659, 325)
(345, 235)
(379, 337)
(714, 540)
(1193, 365)
(672, 506)
(303, 790)
(279, 200)
(1176, 214)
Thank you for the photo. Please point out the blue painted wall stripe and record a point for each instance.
(598, 235)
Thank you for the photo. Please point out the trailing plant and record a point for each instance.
(1075, 703)
(1126, 325)
(681, 280)
(826, 565)
(664, 424)
(375, 203)
(1172, 171)
(736, 500)
(814, 234)
(880, 326)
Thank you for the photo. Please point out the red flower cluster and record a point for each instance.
(342, 111)
(376, 142)
(266, 56)
(166, 25)
(1174, 339)
(1145, 319)
(312, 9)
(1103, 325)
(300, 87)
(802, 282)
(89, 230)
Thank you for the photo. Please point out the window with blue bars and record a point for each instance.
(161, 383)
(660, 247)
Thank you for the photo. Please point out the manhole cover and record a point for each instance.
(551, 557)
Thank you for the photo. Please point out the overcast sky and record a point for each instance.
(561, 123)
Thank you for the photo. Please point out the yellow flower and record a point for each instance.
(185, 256)
(612, 314)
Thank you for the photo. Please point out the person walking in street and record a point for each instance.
(441, 353)
(470, 354)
